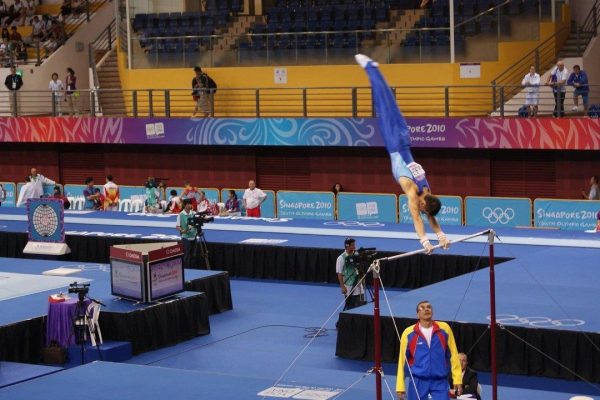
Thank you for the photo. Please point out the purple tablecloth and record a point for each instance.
(59, 326)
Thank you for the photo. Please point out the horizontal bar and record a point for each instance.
(420, 251)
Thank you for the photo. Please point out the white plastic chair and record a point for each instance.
(124, 205)
(137, 205)
(92, 315)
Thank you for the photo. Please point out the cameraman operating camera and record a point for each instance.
(188, 232)
(347, 270)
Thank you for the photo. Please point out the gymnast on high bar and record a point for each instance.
(409, 174)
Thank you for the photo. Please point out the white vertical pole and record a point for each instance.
(553, 10)
(452, 47)
(128, 34)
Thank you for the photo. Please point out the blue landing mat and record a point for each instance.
(300, 233)
(547, 288)
(12, 373)
(35, 305)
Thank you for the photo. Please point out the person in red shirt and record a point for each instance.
(190, 192)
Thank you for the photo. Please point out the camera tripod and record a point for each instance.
(80, 324)
(200, 243)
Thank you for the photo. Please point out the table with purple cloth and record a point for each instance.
(59, 326)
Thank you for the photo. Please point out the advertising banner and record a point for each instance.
(579, 215)
(305, 205)
(450, 214)
(497, 211)
(439, 132)
(8, 194)
(367, 207)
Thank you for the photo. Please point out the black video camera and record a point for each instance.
(82, 289)
(200, 218)
(363, 258)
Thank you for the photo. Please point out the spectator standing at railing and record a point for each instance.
(3, 10)
(39, 181)
(200, 92)
(532, 83)
(579, 80)
(56, 87)
(558, 80)
(111, 194)
(13, 83)
(253, 198)
(71, 91)
(594, 191)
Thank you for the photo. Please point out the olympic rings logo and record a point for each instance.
(351, 224)
(538, 322)
(498, 215)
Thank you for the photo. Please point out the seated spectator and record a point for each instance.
(46, 25)
(29, 10)
(4, 49)
(77, 6)
(175, 204)
(232, 206)
(152, 197)
(190, 192)
(594, 191)
(203, 203)
(598, 222)
(470, 381)
(99, 202)
(337, 188)
(37, 28)
(5, 34)
(90, 195)
(15, 36)
(59, 195)
(18, 12)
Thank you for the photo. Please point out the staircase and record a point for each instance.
(400, 20)
(111, 94)
(576, 43)
(240, 25)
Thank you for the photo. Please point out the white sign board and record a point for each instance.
(280, 76)
(470, 71)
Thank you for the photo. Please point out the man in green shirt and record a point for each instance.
(188, 232)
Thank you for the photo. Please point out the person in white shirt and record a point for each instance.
(253, 198)
(39, 181)
(532, 82)
(558, 80)
(56, 87)
(27, 192)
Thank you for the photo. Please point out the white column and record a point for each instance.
(452, 47)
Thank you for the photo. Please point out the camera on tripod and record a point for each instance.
(82, 289)
(200, 218)
(363, 258)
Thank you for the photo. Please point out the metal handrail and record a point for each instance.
(430, 101)
(590, 25)
(551, 40)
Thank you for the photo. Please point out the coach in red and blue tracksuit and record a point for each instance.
(428, 354)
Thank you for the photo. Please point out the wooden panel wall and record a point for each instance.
(462, 172)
